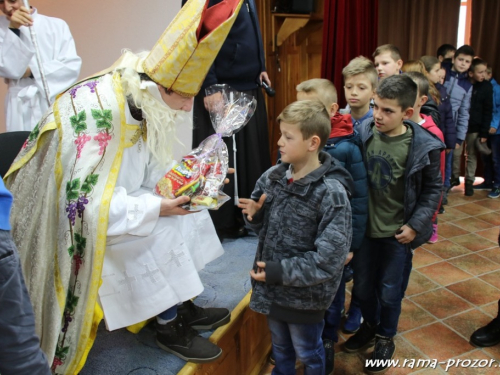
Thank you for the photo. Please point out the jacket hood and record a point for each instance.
(341, 125)
(330, 168)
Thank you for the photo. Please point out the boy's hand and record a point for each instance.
(349, 257)
(260, 275)
(492, 130)
(483, 140)
(229, 171)
(250, 207)
(405, 235)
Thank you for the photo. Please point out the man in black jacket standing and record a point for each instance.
(480, 113)
(240, 64)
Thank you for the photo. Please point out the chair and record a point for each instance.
(10, 145)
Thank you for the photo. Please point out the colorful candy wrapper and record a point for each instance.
(201, 174)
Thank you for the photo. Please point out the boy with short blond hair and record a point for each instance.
(321, 89)
(345, 146)
(300, 209)
(360, 82)
(403, 162)
(387, 60)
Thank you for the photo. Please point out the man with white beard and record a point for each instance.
(93, 239)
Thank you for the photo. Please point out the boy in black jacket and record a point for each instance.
(480, 114)
(403, 165)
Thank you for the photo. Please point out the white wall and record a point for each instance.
(102, 28)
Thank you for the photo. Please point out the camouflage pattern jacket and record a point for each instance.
(305, 231)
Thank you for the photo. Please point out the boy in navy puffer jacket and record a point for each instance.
(345, 145)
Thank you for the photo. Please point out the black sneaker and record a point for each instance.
(383, 353)
(178, 338)
(454, 182)
(363, 339)
(200, 318)
(329, 356)
(469, 190)
(483, 186)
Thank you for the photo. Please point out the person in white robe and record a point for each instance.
(26, 102)
(94, 241)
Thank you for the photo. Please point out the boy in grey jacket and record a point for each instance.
(301, 211)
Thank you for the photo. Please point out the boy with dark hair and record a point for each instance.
(459, 89)
(300, 209)
(345, 146)
(403, 162)
(492, 162)
(445, 52)
(387, 60)
(480, 115)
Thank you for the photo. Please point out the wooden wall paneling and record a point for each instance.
(297, 59)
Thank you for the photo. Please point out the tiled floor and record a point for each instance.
(454, 289)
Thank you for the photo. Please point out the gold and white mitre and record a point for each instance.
(181, 58)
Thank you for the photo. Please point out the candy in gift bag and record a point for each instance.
(201, 174)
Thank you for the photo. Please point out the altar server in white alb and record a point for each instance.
(26, 102)
(93, 239)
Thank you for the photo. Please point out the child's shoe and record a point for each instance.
(494, 194)
(383, 353)
(469, 190)
(483, 186)
(434, 237)
(353, 321)
(329, 356)
(363, 339)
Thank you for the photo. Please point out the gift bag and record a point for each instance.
(201, 174)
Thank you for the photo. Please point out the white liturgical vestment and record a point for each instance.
(25, 102)
(151, 263)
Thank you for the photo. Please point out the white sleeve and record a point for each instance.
(15, 55)
(136, 216)
(63, 70)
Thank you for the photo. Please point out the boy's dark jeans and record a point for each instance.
(302, 341)
(20, 351)
(333, 314)
(378, 279)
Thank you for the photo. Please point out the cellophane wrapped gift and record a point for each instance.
(201, 174)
